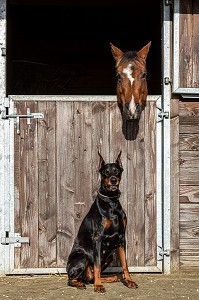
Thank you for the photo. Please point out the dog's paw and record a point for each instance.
(116, 278)
(100, 289)
(131, 284)
(81, 286)
(77, 284)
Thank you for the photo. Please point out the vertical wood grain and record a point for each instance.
(65, 180)
(47, 176)
(150, 201)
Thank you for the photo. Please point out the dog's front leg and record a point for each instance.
(98, 286)
(127, 278)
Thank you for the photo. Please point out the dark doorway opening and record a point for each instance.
(63, 47)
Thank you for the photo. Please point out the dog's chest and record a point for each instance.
(114, 231)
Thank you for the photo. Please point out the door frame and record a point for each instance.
(166, 98)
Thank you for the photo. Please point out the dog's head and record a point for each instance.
(110, 173)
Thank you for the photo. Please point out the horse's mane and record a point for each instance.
(128, 56)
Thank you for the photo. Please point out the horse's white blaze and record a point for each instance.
(128, 72)
(132, 105)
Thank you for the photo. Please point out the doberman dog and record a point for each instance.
(101, 232)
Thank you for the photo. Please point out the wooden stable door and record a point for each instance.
(56, 178)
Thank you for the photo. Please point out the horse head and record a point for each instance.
(131, 87)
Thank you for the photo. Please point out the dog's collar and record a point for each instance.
(107, 198)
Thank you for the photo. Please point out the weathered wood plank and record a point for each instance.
(19, 191)
(189, 212)
(136, 182)
(189, 142)
(83, 160)
(189, 159)
(195, 52)
(65, 181)
(118, 143)
(150, 184)
(189, 176)
(189, 230)
(29, 254)
(189, 194)
(188, 109)
(174, 187)
(189, 167)
(189, 117)
(186, 44)
(189, 252)
(189, 128)
(189, 262)
(47, 185)
(189, 121)
(100, 139)
(189, 181)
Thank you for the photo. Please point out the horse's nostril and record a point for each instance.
(127, 105)
(137, 107)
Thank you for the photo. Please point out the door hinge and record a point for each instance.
(3, 51)
(162, 114)
(17, 117)
(162, 253)
(167, 81)
(168, 2)
(17, 239)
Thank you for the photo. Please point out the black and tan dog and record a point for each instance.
(101, 233)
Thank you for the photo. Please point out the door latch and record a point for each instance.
(17, 117)
(17, 239)
(162, 114)
(163, 253)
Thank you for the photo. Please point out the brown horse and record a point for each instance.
(132, 82)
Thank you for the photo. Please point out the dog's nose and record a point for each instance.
(113, 180)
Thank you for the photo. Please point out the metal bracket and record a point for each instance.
(168, 2)
(17, 240)
(3, 51)
(167, 81)
(162, 114)
(163, 253)
(17, 117)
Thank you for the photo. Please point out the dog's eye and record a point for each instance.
(115, 171)
(107, 172)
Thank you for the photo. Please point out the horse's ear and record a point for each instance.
(116, 52)
(101, 161)
(118, 160)
(144, 51)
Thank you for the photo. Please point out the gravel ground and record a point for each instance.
(182, 285)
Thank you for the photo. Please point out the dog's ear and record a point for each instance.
(118, 160)
(101, 162)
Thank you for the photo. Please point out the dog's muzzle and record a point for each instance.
(113, 184)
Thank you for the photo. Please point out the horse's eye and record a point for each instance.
(144, 75)
(119, 75)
